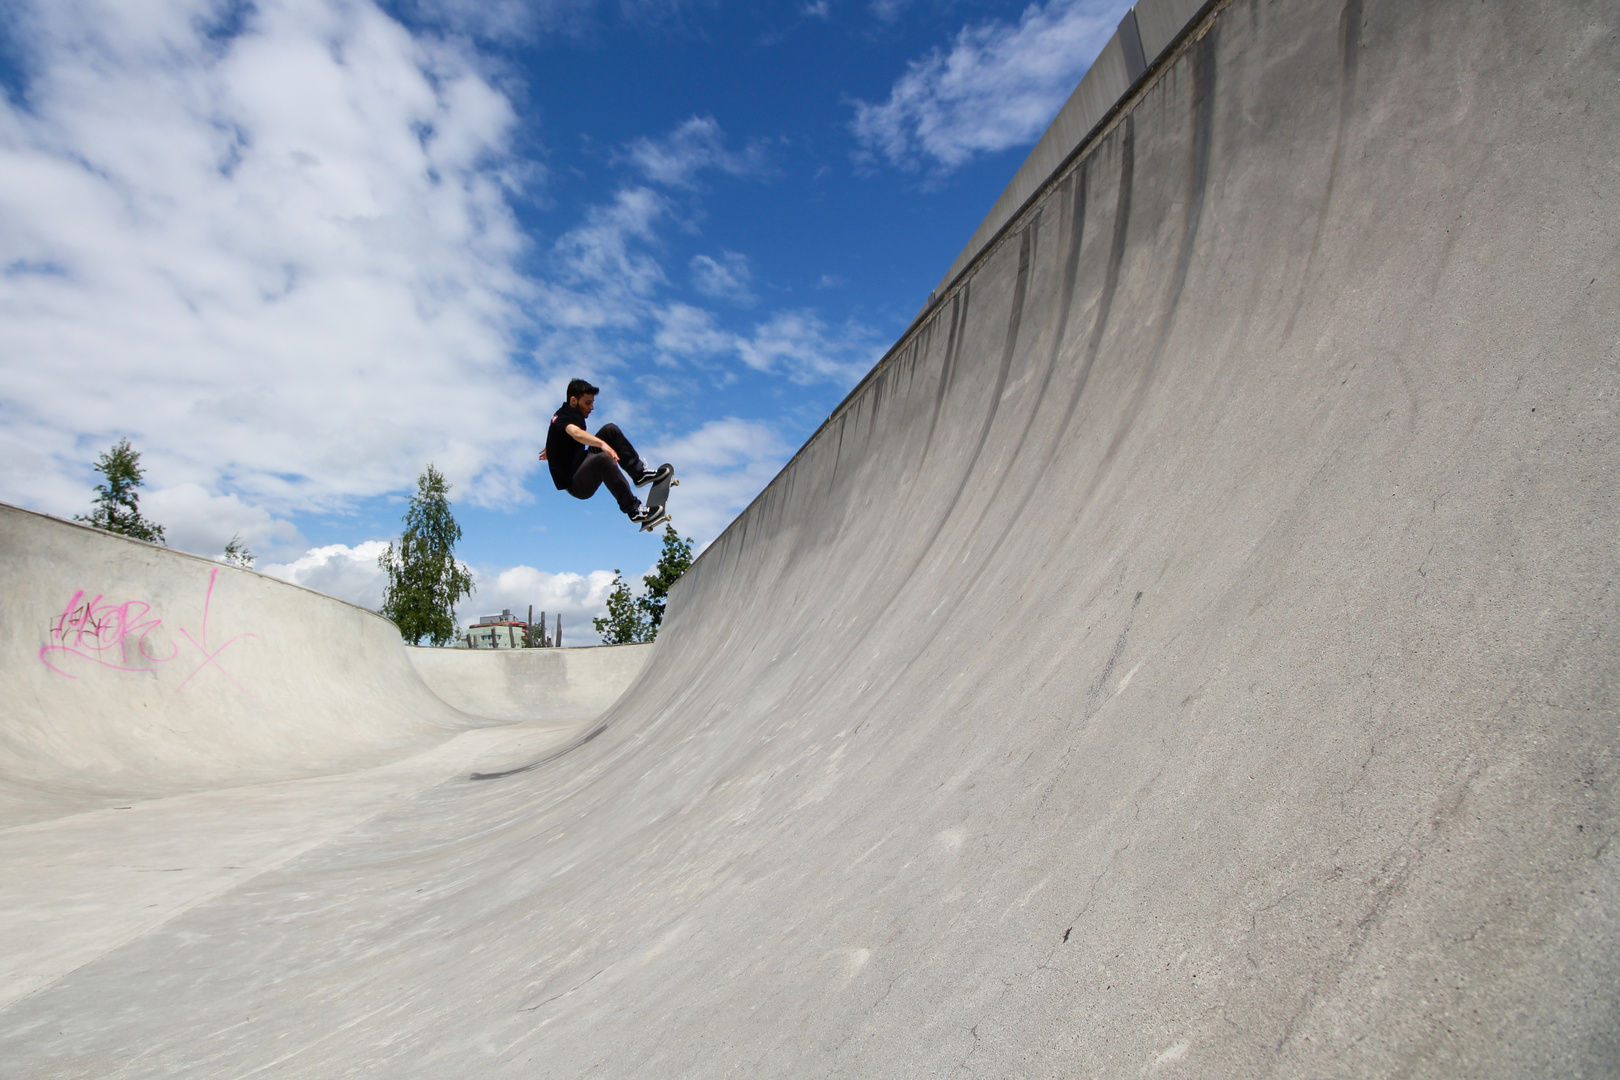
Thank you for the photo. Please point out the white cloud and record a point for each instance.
(802, 347)
(578, 598)
(797, 345)
(279, 257)
(282, 264)
(348, 573)
(889, 10)
(817, 10)
(198, 521)
(353, 574)
(601, 252)
(593, 315)
(725, 278)
(998, 86)
(676, 159)
(684, 330)
(496, 20)
(721, 466)
(503, 20)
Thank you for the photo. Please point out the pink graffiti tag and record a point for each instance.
(92, 630)
(210, 657)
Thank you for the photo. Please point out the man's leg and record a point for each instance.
(598, 469)
(629, 460)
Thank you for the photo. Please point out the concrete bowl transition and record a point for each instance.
(1191, 651)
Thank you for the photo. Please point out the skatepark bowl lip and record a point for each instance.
(184, 554)
(1226, 691)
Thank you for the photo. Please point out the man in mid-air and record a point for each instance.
(581, 462)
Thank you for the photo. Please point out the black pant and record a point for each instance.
(598, 469)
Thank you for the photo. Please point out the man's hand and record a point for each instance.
(542, 454)
(580, 435)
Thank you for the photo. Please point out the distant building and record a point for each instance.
(503, 631)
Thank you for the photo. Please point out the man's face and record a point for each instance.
(584, 403)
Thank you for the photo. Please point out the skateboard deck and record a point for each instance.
(658, 499)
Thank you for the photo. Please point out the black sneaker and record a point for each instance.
(649, 517)
(652, 476)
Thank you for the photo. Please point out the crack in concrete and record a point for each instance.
(1392, 876)
(963, 1064)
(554, 997)
(1254, 926)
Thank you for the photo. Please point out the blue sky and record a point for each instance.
(295, 250)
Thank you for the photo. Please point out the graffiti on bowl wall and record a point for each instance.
(125, 636)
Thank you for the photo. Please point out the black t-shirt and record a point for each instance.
(563, 453)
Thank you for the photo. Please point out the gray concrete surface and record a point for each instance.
(79, 886)
(1192, 652)
(173, 728)
(564, 686)
(129, 671)
(1146, 36)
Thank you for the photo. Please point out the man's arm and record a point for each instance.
(579, 434)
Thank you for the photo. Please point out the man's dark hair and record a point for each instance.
(579, 388)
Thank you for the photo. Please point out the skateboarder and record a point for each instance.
(581, 462)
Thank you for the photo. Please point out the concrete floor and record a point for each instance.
(1192, 651)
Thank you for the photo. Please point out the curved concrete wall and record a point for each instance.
(129, 669)
(564, 686)
(1191, 652)
(1147, 38)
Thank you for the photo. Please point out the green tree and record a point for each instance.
(424, 579)
(117, 502)
(237, 553)
(632, 619)
(676, 557)
(625, 623)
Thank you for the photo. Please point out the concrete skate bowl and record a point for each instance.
(1190, 652)
(132, 671)
(172, 727)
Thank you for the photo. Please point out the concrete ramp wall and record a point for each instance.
(1192, 652)
(562, 686)
(129, 670)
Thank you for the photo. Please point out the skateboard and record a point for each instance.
(658, 498)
